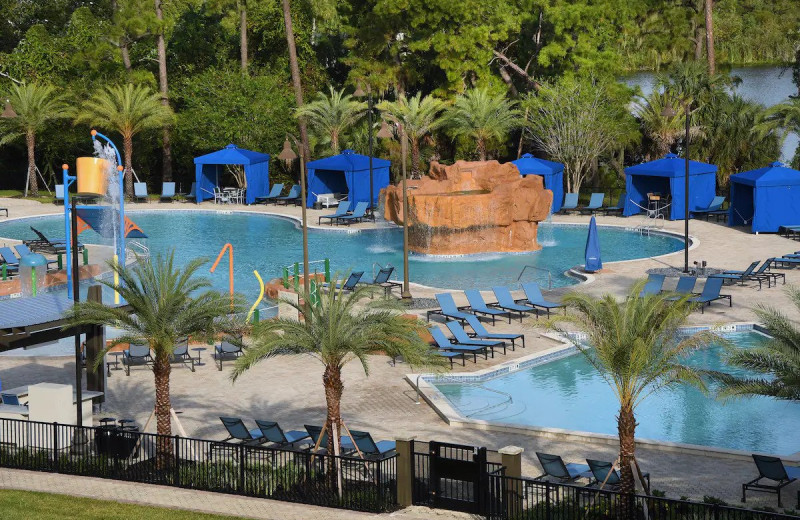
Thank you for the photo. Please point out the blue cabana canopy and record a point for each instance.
(256, 171)
(348, 173)
(668, 176)
(552, 172)
(766, 198)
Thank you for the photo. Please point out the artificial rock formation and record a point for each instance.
(472, 207)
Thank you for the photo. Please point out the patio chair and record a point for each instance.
(789, 230)
(595, 204)
(684, 287)
(341, 211)
(712, 209)
(443, 343)
(506, 302)
(318, 438)
(570, 203)
(554, 468)
(349, 285)
(293, 196)
(273, 433)
(451, 356)
(447, 308)
(192, 195)
(45, 245)
(59, 195)
(371, 449)
(619, 208)
(772, 468)
(221, 196)
(10, 399)
(605, 472)
(273, 194)
(8, 257)
(140, 192)
(358, 214)
(238, 431)
(653, 286)
(478, 306)
(167, 192)
(226, 349)
(711, 293)
(765, 272)
(479, 331)
(740, 276)
(181, 353)
(382, 280)
(23, 250)
(533, 296)
(136, 354)
(461, 336)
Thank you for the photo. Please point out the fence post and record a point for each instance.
(55, 447)
(405, 474)
(511, 459)
(548, 512)
(177, 470)
(241, 468)
(328, 270)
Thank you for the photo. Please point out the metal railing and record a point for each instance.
(540, 269)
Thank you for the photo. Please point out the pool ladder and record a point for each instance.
(541, 269)
(457, 380)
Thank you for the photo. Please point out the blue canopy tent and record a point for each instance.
(256, 171)
(668, 175)
(552, 172)
(766, 198)
(348, 173)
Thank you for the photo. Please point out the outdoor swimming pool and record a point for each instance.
(569, 393)
(268, 243)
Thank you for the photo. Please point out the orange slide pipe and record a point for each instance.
(226, 247)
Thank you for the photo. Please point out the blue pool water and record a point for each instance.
(569, 393)
(267, 243)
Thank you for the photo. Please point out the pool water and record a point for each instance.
(268, 243)
(569, 393)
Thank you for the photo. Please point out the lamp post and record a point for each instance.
(359, 93)
(403, 150)
(288, 155)
(670, 112)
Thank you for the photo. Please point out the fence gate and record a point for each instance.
(457, 477)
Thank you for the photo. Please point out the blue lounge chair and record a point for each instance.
(653, 286)
(167, 191)
(443, 343)
(358, 214)
(451, 356)
(711, 293)
(478, 306)
(382, 279)
(554, 468)
(273, 194)
(341, 211)
(714, 208)
(293, 196)
(595, 203)
(533, 296)
(740, 276)
(369, 448)
(481, 333)
(772, 468)
(140, 192)
(684, 287)
(8, 257)
(192, 195)
(46, 245)
(447, 308)
(461, 336)
(238, 431)
(765, 272)
(226, 349)
(10, 399)
(318, 438)
(273, 433)
(59, 194)
(506, 302)
(789, 230)
(136, 354)
(349, 284)
(604, 472)
(619, 208)
(24, 250)
(570, 202)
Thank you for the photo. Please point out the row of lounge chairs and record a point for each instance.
(274, 196)
(505, 306)
(139, 192)
(11, 261)
(597, 472)
(344, 215)
(382, 279)
(685, 286)
(595, 204)
(478, 342)
(358, 443)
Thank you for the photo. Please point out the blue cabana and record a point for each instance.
(256, 170)
(552, 172)
(766, 198)
(348, 173)
(668, 176)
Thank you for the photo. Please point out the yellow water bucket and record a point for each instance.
(92, 176)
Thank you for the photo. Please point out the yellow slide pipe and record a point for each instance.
(260, 296)
(116, 280)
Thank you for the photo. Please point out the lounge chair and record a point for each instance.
(447, 308)
(595, 203)
(450, 356)
(318, 438)
(653, 286)
(167, 191)
(24, 250)
(10, 399)
(136, 354)
(570, 203)
(192, 195)
(461, 336)
(140, 192)
(238, 431)
(443, 343)
(506, 302)
(789, 230)
(711, 293)
(382, 280)
(772, 468)
(348, 285)
(181, 353)
(45, 245)
(478, 306)
(684, 287)
(226, 349)
(274, 434)
(371, 449)
(619, 208)
(765, 272)
(554, 468)
(273, 194)
(341, 211)
(480, 332)
(605, 472)
(533, 296)
(293, 196)
(740, 276)
(59, 195)
(714, 208)
(8, 257)
(358, 214)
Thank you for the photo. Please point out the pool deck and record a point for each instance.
(289, 389)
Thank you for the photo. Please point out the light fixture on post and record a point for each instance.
(670, 113)
(8, 111)
(403, 151)
(359, 93)
(288, 155)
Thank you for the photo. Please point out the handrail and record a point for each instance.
(549, 274)
(379, 268)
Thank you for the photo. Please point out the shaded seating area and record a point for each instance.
(209, 170)
(766, 199)
(551, 172)
(773, 476)
(347, 174)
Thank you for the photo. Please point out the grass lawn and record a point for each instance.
(21, 505)
(17, 194)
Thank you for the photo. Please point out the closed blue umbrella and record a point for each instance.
(593, 261)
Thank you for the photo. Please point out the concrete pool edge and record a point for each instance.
(428, 392)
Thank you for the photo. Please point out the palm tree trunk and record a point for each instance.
(415, 159)
(166, 141)
(709, 8)
(243, 34)
(626, 427)
(481, 149)
(295, 69)
(33, 182)
(161, 370)
(126, 57)
(127, 149)
(335, 142)
(332, 381)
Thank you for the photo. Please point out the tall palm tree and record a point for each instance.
(341, 328)
(128, 109)
(637, 348)
(487, 118)
(332, 115)
(662, 131)
(777, 361)
(419, 115)
(36, 105)
(165, 303)
(294, 67)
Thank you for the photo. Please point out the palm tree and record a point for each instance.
(785, 116)
(419, 116)
(35, 105)
(128, 109)
(294, 67)
(486, 118)
(332, 115)
(662, 131)
(777, 361)
(341, 328)
(165, 303)
(637, 348)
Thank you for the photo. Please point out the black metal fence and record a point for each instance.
(259, 471)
